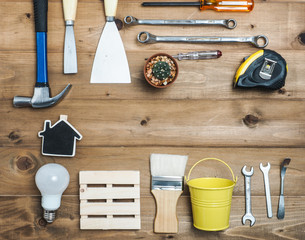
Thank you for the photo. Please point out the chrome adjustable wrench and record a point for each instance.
(248, 215)
(265, 171)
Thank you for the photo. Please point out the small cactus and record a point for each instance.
(161, 70)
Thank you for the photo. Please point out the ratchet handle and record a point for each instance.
(227, 5)
(41, 15)
(70, 7)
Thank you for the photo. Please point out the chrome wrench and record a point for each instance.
(228, 23)
(146, 37)
(248, 215)
(265, 171)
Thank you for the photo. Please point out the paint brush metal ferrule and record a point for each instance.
(167, 183)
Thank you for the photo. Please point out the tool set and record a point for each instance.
(264, 68)
(228, 23)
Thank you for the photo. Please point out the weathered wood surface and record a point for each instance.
(258, 122)
(200, 115)
(281, 28)
(19, 165)
(20, 219)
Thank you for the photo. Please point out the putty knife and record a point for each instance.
(110, 63)
(70, 58)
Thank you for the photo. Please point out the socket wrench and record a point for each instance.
(228, 23)
(146, 37)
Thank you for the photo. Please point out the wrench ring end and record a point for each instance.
(265, 39)
(144, 34)
(231, 23)
(129, 20)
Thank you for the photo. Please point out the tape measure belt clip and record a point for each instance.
(266, 69)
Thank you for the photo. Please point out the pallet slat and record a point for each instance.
(109, 177)
(118, 208)
(109, 193)
(110, 224)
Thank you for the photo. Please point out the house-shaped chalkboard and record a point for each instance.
(59, 139)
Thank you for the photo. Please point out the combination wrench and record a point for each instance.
(248, 215)
(228, 23)
(146, 37)
(265, 171)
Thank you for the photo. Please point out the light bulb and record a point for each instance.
(52, 180)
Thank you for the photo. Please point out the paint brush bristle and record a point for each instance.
(167, 165)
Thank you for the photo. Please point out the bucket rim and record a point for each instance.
(219, 188)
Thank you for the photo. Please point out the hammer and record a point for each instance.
(41, 98)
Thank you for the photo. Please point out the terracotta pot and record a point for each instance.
(174, 61)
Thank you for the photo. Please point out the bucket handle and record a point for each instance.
(215, 159)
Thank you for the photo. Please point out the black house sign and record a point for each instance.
(59, 139)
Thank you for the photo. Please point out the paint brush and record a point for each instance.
(167, 185)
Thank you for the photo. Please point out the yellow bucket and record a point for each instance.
(211, 200)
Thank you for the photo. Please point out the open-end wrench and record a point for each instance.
(248, 215)
(228, 23)
(146, 37)
(265, 171)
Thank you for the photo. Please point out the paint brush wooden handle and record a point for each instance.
(70, 7)
(110, 7)
(166, 217)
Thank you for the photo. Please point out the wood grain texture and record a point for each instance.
(19, 165)
(21, 219)
(90, 21)
(184, 123)
(197, 79)
(201, 115)
(166, 214)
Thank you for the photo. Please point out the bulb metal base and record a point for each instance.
(49, 216)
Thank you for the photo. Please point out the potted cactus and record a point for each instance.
(161, 70)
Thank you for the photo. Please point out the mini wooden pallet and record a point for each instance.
(109, 200)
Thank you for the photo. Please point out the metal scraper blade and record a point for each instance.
(110, 63)
(70, 58)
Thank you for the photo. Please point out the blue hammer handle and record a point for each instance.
(41, 17)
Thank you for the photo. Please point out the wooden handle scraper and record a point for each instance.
(70, 58)
(110, 63)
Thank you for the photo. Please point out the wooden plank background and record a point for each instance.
(200, 115)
